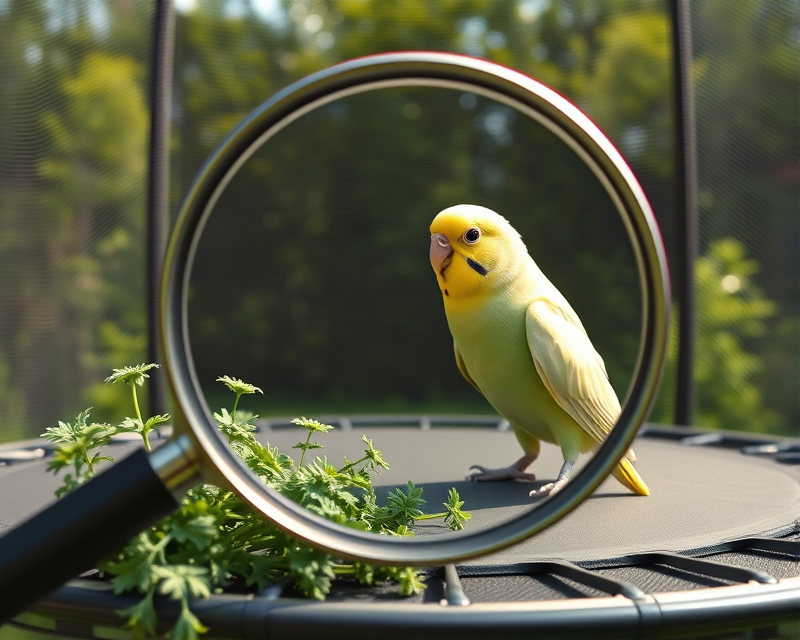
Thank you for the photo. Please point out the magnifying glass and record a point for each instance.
(104, 514)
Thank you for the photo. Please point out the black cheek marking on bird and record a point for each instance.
(446, 292)
(478, 267)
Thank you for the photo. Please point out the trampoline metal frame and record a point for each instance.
(626, 612)
(83, 607)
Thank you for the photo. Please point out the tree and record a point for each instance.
(72, 168)
(379, 168)
(733, 316)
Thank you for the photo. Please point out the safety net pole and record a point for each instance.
(158, 181)
(686, 205)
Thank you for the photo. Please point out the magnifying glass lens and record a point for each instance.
(312, 281)
(301, 263)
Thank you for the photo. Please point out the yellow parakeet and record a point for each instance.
(518, 341)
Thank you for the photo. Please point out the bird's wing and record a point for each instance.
(463, 369)
(571, 369)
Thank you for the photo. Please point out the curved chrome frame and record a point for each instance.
(209, 454)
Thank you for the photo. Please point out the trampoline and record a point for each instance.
(723, 537)
(714, 552)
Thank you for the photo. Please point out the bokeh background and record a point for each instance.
(315, 284)
(313, 277)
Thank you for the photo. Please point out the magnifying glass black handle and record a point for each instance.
(87, 524)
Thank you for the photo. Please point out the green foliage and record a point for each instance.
(747, 132)
(733, 316)
(214, 538)
(73, 146)
(132, 375)
(312, 426)
(88, 179)
(78, 445)
(626, 88)
(238, 387)
(455, 517)
(135, 376)
(73, 142)
(328, 312)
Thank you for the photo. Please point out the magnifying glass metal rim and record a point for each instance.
(200, 440)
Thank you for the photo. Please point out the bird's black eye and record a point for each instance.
(471, 236)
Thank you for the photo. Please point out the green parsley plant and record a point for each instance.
(215, 542)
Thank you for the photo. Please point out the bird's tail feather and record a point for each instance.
(627, 475)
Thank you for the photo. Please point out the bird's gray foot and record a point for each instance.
(554, 487)
(515, 471)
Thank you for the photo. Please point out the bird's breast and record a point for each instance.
(492, 341)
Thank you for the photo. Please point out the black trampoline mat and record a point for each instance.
(700, 496)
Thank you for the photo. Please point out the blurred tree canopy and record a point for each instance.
(73, 140)
(313, 280)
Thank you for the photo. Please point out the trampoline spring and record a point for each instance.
(562, 569)
(789, 547)
(771, 448)
(593, 580)
(708, 568)
(453, 589)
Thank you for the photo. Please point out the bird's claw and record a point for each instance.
(548, 490)
(493, 475)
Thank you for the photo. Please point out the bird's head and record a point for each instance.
(473, 250)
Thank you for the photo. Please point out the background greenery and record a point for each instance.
(313, 272)
(316, 276)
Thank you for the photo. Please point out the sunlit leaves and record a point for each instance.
(312, 569)
(405, 505)
(408, 579)
(373, 455)
(131, 374)
(78, 445)
(214, 536)
(238, 387)
(182, 582)
(141, 617)
(135, 376)
(188, 626)
(455, 517)
(312, 426)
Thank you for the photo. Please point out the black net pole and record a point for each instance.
(686, 203)
(158, 181)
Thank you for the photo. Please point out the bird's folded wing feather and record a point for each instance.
(463, 369)
(571, 369)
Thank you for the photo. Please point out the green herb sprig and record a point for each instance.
(77, 443)
(133, 377)
(215, 540)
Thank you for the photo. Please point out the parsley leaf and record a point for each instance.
(214, 537)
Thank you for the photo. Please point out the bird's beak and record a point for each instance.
(441, 253)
